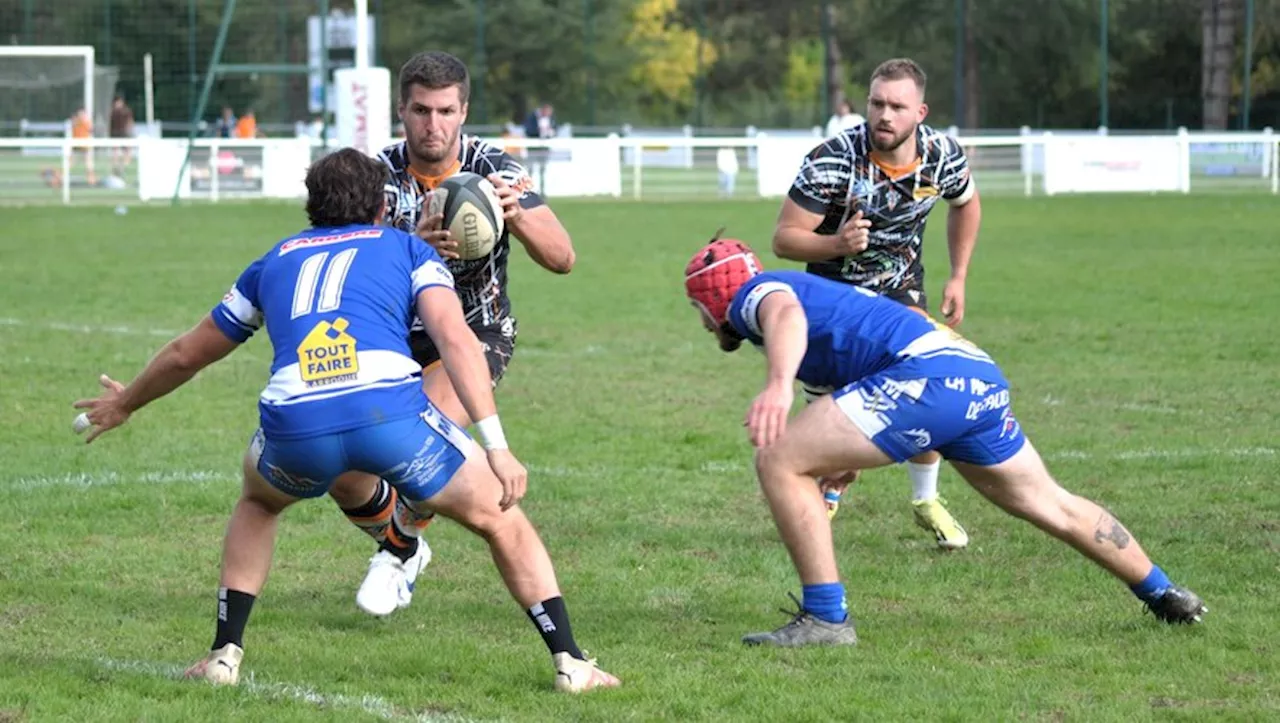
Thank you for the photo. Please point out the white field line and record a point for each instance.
(1051, 401)
(109, 478)
(89, 328)
(125, 330)
(87, 480)
(368, 704)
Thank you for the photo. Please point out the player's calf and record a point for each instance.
(373, 516)
(472, 499)
(1023, 487)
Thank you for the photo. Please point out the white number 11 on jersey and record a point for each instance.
(304, 292)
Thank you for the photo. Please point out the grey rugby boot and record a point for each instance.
(805, 629)
(1178, 605)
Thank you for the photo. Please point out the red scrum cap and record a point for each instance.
(716, 272)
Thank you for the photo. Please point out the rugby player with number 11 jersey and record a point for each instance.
(345, 396)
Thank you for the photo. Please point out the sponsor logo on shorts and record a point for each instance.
(989, 403)
(886, 395)
(918, 437)
(979, 387)
(293, 484)
(1009, 426)
(877, 400)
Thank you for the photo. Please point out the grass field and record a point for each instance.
(1138, 333)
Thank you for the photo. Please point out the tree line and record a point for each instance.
(992, 64)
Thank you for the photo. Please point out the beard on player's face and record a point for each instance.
(434, 147)
(879, 142)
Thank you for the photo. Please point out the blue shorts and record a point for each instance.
(416, 455)
(964, 419)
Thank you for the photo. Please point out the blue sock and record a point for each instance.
(1150, 588)
(826, 602)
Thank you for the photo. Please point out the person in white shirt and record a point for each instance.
(843, 118)
(727, 165)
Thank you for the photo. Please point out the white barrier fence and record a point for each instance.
(761, 166)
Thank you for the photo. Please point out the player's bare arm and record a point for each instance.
(171, 367)
(963, 220)
(538, 228)
(463, 359)
(794, 237)
(786, 338)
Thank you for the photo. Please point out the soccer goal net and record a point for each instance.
(43, 86)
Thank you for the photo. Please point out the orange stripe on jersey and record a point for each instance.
(895, 172)
(430, 182)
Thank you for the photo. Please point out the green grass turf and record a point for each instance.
(1137, 333)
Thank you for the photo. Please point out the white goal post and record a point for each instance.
(84, 52)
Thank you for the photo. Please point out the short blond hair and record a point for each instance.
(899, 68)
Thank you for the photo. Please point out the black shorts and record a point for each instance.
(908, 297)
(498, 340)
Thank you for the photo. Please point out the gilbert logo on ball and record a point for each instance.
(472, 213)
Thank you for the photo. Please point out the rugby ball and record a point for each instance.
(472, 214)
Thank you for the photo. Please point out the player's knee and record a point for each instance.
(471, 498)
(490, 522)
(510, 525)
(353, 489)
(1039, 500)
(772, 461)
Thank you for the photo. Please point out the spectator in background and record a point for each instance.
(82, 127)
(120, 126)
(247, 126)
(843, 118)
(540, 123)
(226, 127)
(727, 164)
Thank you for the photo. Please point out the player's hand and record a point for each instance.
(953, 302)
(107, 411)
(767, 418)
(431, 229)
(854, 236)
(513, 476)
(508, 198)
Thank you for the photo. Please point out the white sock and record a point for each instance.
(924, 480)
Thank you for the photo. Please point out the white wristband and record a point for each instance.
(489, 430)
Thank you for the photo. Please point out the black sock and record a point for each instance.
(374, 516)
(552, 621)
(404, 553)
(233, 615)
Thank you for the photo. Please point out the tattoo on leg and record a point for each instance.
(1109, 528)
